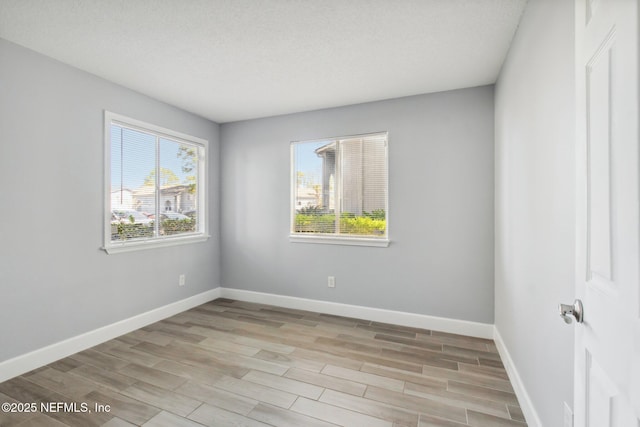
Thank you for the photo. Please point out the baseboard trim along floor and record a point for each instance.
(43, 356)
(453, 326)
(230, 361)
(24, 363)
(533, 420)
(27, 362)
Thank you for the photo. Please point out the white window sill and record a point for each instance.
(340, 240)
(139, 245)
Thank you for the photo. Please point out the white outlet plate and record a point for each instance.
(331, 282)
(182, 280)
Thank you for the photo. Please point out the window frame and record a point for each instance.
(202, 232)
(336, 239)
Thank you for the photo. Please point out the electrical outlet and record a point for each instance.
(182, 280)
(331, 282)
(568, 416)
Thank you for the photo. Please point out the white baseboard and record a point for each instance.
(462, 327)
(528, 409)
(35, 359)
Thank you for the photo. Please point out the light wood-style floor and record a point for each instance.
(231, 363)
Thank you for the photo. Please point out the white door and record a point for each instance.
(607, 346)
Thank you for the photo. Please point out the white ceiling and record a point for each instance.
(230, 60)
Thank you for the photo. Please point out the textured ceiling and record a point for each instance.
(229, 60)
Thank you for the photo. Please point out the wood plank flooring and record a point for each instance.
(232, 363)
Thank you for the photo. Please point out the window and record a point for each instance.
(155, 181)
(339, 190)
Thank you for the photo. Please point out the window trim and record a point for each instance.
(328, 239)
(335, 239)
(201, 235)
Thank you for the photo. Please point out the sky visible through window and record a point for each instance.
(133, 157)
(308, 163)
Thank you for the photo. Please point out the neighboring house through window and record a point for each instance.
(155, 180)
(339, 190)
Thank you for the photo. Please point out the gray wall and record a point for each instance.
(56, 282)
(535, 172)
(440, 261)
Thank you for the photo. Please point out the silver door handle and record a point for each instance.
(570, 312)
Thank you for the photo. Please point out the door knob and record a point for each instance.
(570, 312)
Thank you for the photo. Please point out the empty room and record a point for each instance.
(320, 213)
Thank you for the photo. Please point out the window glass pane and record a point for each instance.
(178, 187)
(132, 184)
(314, 185)
(363, 186)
